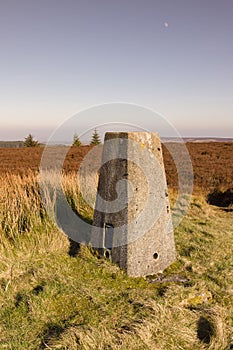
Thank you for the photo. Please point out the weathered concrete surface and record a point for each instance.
(132, 215)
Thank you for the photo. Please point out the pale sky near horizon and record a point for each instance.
(59, 57)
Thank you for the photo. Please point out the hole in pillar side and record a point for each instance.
(156, 256)
(107, 254)
(108, 240)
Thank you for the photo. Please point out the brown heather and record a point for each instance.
(212, 163)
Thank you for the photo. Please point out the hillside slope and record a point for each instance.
(51, 300)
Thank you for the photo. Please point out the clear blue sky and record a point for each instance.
(57, 57)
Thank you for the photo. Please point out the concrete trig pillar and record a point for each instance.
(132, 219)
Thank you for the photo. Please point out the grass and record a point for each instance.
(51, 300)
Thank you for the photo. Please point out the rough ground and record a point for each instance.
(212, 163)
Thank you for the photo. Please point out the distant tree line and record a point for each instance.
(30, 141)
(11, 144)
(95, 140)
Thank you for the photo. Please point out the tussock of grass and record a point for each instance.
(50, 300)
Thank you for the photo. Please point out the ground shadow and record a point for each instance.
(52, 331)
(205, 330)
(74, 248)
(221, 199)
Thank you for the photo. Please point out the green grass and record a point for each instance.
(50, 300)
